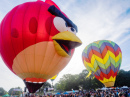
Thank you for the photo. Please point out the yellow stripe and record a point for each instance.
(108, 80)
(92, 60)
(89, 64)
(97, 58)
(97, 42)
(109, 41)
(118, 57)
(96, 69)
(111, 54)
(111, 79)
(105, 59)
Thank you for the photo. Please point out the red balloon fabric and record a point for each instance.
(36, 41)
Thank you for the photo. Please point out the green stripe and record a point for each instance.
(92, 69)
(108, 63)
(94, 44)
(100, 64)
(113, 44)
(100, 43)
(95, 65)
(118, 62)
(113, 61)
(87, 67)
(86, 50)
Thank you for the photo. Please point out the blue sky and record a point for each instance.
(96, 20)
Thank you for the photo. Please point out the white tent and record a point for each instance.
(104, 88)
(124, 87)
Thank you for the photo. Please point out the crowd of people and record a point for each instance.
(98, 93)
(107, 93)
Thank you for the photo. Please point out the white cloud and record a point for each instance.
(99, 19)
(126, 68)
(127, 38)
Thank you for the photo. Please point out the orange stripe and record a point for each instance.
(107, 76)
(86, 59)
(117, 52)
(97, 53)
(111, 49)
(104, 52)
(90, 55)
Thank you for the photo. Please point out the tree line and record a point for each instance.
(10, 92)
(79, 81)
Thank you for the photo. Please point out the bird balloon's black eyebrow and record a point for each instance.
(54, 11)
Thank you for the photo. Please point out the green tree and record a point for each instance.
(10, 92)
(13, 92)
(67, 82)
(123, 79)
(88, 83)
(78, 81)
(2, 91)
(45, 85)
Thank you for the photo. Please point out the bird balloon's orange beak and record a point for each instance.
(64, 42)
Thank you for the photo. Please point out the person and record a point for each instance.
(102, 94)
(98, 95)
(129, 94)
(116, 94)
(121, 95)
(126, 94)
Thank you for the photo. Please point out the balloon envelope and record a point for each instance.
(103, 59)
(35, 43)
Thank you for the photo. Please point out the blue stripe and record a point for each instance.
(97, 72)
(108, 44)
(116, 47)
(85, 55)
(107, 70)
(96, 49)
(93, 48)
(89, 49)
(102, 47)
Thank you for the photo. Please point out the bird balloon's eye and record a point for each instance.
(59, 24)
(72, 29)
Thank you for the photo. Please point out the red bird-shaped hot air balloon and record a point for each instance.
(37, 41)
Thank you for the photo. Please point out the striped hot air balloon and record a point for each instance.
(53, 78)
(103, 59)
